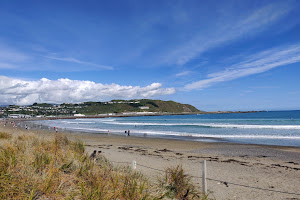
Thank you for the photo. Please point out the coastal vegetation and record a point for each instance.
(58, 168)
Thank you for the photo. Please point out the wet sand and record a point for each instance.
(234, 171)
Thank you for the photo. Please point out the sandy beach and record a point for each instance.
(234, 171)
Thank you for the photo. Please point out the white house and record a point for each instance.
(144, 107)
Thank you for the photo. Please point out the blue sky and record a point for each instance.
(215, 55)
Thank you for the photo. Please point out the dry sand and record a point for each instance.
(234, 171)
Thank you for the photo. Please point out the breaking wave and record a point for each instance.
(211, 125)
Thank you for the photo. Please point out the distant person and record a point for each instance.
(128, 132)
(93, 155)
(99, 154)
(108, 132)
(125, 132)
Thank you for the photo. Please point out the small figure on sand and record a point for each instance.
(96, 155)
(93, 155)
(128, 133)
(108, 132)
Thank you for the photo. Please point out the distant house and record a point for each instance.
(144, 107)
(79, 115)
(15, 116)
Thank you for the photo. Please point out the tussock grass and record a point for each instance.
(32, 168)
(35, 168)
(4, 135)
(177, 185)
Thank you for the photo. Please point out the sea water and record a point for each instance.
(270, 128)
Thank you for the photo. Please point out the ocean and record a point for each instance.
(269, 128)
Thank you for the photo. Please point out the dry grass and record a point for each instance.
(32, 168)
(57, 168)
(4, 135)
(177, 185)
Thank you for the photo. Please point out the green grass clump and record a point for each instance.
(177, 185)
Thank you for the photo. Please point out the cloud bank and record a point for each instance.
(258, 63)
(20, 92)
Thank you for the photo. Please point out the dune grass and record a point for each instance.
(4, 135)
(176, 184)
(36, 168)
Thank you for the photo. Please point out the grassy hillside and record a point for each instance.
(94, 108)
(118, 106)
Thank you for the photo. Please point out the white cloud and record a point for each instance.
(4, 65)
(20, 92)
(184, 73)
(227, 31)
(255, 64)
(10, 57)
(74, 60)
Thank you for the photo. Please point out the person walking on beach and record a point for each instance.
(128, 132)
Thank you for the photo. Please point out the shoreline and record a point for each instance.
(273, 169)
(145, 135)
(126, 115)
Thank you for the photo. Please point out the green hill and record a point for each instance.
(95, 108)
(143, 105)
